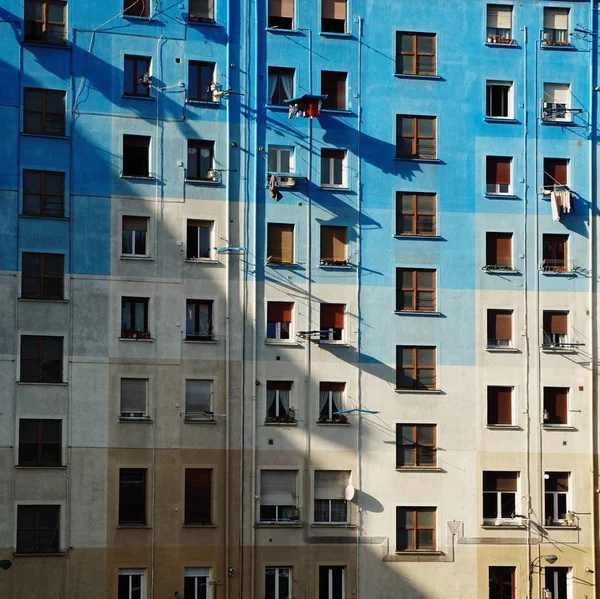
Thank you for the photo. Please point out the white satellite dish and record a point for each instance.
(349, 493)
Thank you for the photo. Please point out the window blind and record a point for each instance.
(135, 223)
(556, 18)
(281, 8)
(332, 316)
(278, 487)
(331, 484)
(557, 481)
(499, 324)
(133, 395)
(499, 17)
(334, 9)
(498, 170)
(334, 243)
(500, 481)
(500, 405)
(555, 171)
(197, 396)
(280, 243)
(557, 93)
(556, 322)
(279, 311)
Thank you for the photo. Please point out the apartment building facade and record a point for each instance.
(299, 299)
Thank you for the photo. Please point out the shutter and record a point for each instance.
(503, 325)
(198, 495)
(327, 243)
(561, 405)
(287, 243)
(332, 316)
(133, 395)
(135, 223)
(555, 171)
(279, 312)
(332, 387)
(137, 141)
(559, 93)
(334, 9)
(558, 323)
(504, 249)
(279, 385)
(339, 244)
(556, 18)
(274, 243)
(281, 8)
(499, 17)
(560, 171)
(278, 487)
(331, 484)
(503, 171)
(499, 481)
(504, 401)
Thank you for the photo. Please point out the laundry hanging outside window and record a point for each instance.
(305, 106)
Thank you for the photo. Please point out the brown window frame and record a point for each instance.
(39, 446)
(54, 361)
(415, 368)
(556, 406)
(400, 53)
(38, 546)
(498, 173)
(42, 276)
(415, 153)
(135, 332)
(43, 195)
(44, 112)
(133, 511)
(136, 166)
(496, 325)
(494, 254)
(332, 322)
(201, 91)
(45, 25)
(555, 252)
(424, 455)
(276, 232)
(427, 229)
(331, 254)
(136, 89)
(330, 20)
(198, 335)
(136, 8)
(198, 500)
(498, 412)
(501, 573)
(415, 528)
(415, 290)
(196, 168)
(279, 14)
(333, 85)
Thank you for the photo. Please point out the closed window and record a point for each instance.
(556, 103)
(334, 246)
(415, 137)
(133, 398)
(499, 23)
(201, 10)
(499, 100)
(416, 445)
(133, 235)
(415, 290)
(43, 193)
(558, 582)
(198, 399)
(331, 506)
(280, 243)
(332, 322)
(279, 321)
(415, 214)
(132, 496)
(44, 111)
(132, 584)
(333, 85)
(556, 26)
(45, 21)
(415, 53)
(134, 317)
(554, 253)
(41, 359)
(556, 400)
(415, 528)
(199, 320)
(555, 328)
(38, 529)
(278, 402)
(201, 76)
(281, 159)
(39, 442)
(498, 251)
(499, 328)
(333, 168)
(136, 76)
(499, 406)
(502, 582)
(333, 16)
(556, 495)
(136, 8)
(278, 583)
(198, 496)
(555, 172)
(415, 367)
(331, 396)
(200, 160)
(199, 239)
(42, 276)
(499, 495)
(196, 583)
(281, 16)
(281, 86)
(136, 156)
(498, 175)
(332, 582)
(278, 495)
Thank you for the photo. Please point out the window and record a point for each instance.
(39, 442)
(43, 193)
(331, 506)
(136, 8)
(280, 243)
(132, 496)
(499, 406)
(555, 327)
(415, 290)
(132, 584)
(281, 159)
(499, 23)
(415, 528)
(499, 100)
(199, 239)
(201, 10)
(499, 495)
(333, 168)
(498, 175)
(556, 490)
(281, 85)
(196, 583)
(278, 402)
(201, 77)
(333, 16)
(556, 26)
(557, 102)
(200, 160)
(415, 367)
(415, 53)
(136, 160)
(38, 528)
(134, 317)
(278, 495)
(555, 172)
(331, 396)
(554, 253)
(556, 401)
(502, 580)
(498, 251)
(279, 321)
(416, 445)
(333, 85)
(415, 213)
(334, 246)
(44, 111)
(136, 76)
(281, 16)
(199, 320)
(45, 21)
(558, 582)
(415, 137)
(42, 276)
(198, 495)
(41, 359)
(499, 328)
(133, 236)
(278, 583)
(198, 396)
(133, 398)
(331, 582)
(332, 322)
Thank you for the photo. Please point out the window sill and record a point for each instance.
(424, 552)
(207, 23)
(504, 526)
(42, 135)
(41, 383)
(415, 76)
(134, 97)
(149, 340)
(503, 427)
(42, 299)
(38, 44)
(279, 525)
(558, 427)
(334, 188)
(416, 313)
(501, 196)
(199, 526)
(558, 350)
(514, 45)
(139, 258)
(335, 34)
(282, 264)
(563, 526)
(138, 18)
(42, 554)
(145, 419)
(199, 420)
(40, 467)
(203, 103)
(501, 271)
(419, 391)
(201, 261)
(269, 423)
(557, 123)
(134, 526)
(503, 350)
(334, 343)
(498, 119)
(568, 48)
(209, 182)
(419, 469)
(63, 218)
(278, 107)
(432, 237)
(335, 266)
(332, 525)
(283, 31)
(138, 177)
(334, 111)
(417, 159)
(277, 343)
(558, 273)
(201, 341)
(333, 423)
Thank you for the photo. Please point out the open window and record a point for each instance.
(200, 239)
(333, 85)
(556, 401)
(136, 156)
(499, 24)
(502, 582)
(199, 320)
(45, 21)
(278, 496)
(499, 100)
(499, 496)
(556, 103)
(332, 322)
(281, 14)
(555, 174)
(556, 26)
(558, 582)
(331, 396)
(201, 11)
(334, 246)
(499, 329)
(499, 406)
(556, 497)
(279, 321)
(136, 8)
(555, 326)
(498, 251)
(333, 16)
(281, 86)
(554, 253)
(279, 408)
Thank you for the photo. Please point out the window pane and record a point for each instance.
(424, 538)
(425, 357)
(425, 44)
(407, 43)
(425, 435)
(425, 127)
(405, 518)
(407, 357)
(406, 127)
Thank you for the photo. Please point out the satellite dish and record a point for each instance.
(349, 493)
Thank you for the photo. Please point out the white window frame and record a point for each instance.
(488, 520)
(548, 99)
(555, 494)
(330, 183)
(509, 8)
(497, 191)
(196, 573)
(278, 150)
(510, 110)
(132, 233)
(135, 572)
(127, 415)
(329, 519)
(330, 582)
(281, 517)
(277, 337)
(569, 576)
(278, 569)
(546, 37)
(198, 415)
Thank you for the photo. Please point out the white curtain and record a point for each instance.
(288, 84)
(270, 398)
(284, 399)
(336, 399)
(272, 85)
(323, 397)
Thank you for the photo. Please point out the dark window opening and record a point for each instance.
(45, 21)
(555, 405)
(554, 253)
(499, 406)
(44, 111)
(137, 76)
(38, 529)
(43, 193)
(333, 16)
(40, 442)
(134, 317)
(333, 85)
(132, 496)
(41, 359)
(198, 495)
(201, 78)
(136, 156)
(281, 14)
(42, 276)
(199, 320)
(499, 495)
(136, 8)
(281, 86)
(199, 239)
(498, 254)
(200, 160)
